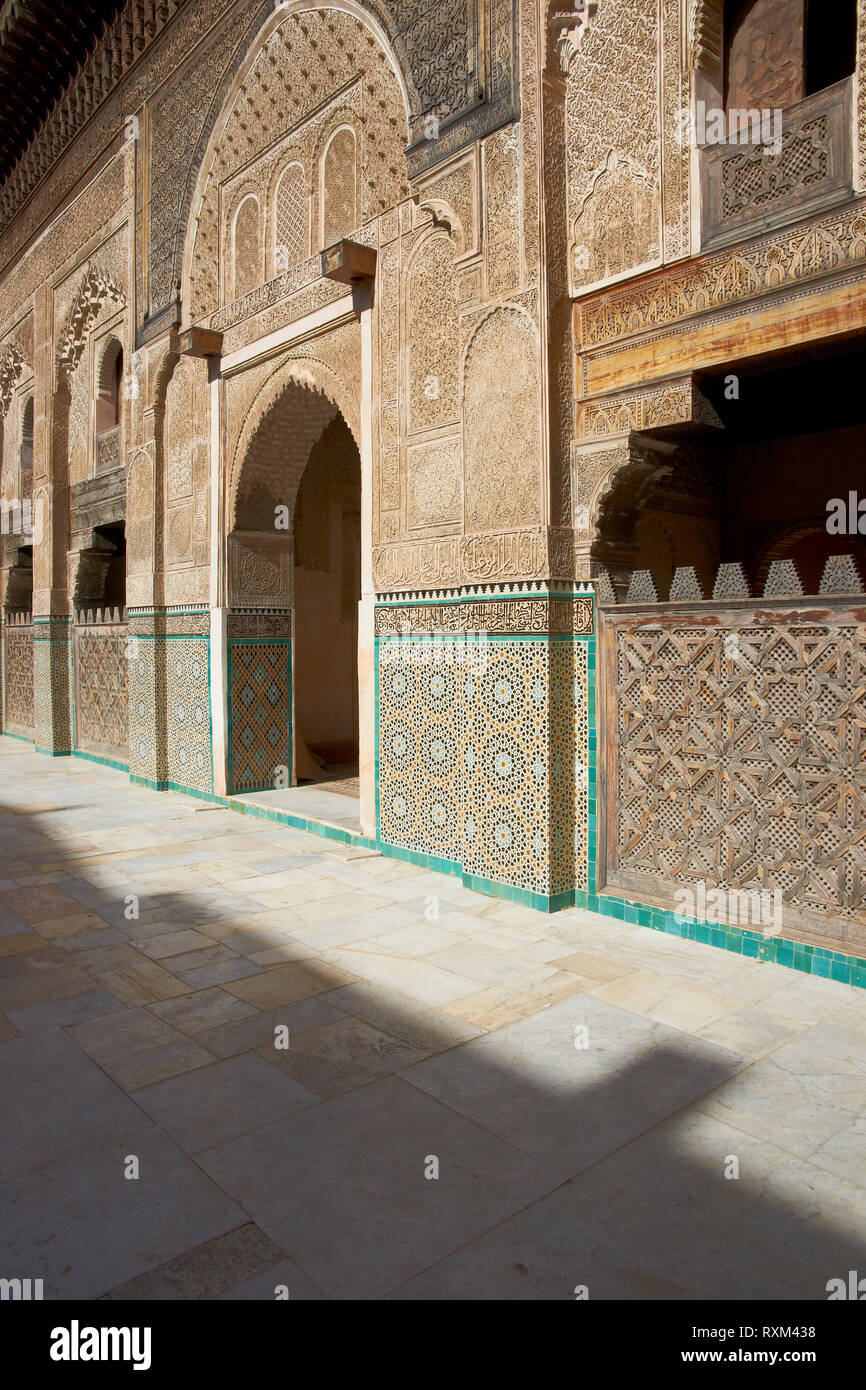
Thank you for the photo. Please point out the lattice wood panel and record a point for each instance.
(733, 754)
(18, 679)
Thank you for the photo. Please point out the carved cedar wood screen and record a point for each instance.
(744, 773)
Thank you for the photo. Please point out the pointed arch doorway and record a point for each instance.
(294, 587)
(326, 590)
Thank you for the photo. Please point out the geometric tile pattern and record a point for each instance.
(187, 710)
(259, 713)
(147, 708)
(169, 698)
(739, 758)
(484, 751)
(101, 699)
(421, 732)
(506, 818)
(52, 685)
(572, 738)
(18, 678)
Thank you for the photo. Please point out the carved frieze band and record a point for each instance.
(240, 626)
(167, 623)
(774, 262)
(504, 557)
(298, 277)
(861, 93)
(510, 615)
(675, 403)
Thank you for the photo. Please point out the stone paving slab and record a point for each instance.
(355, 1078)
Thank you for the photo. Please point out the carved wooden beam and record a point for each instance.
(349, 262)
(197, 342)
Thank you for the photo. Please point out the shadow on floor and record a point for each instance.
(167, 1147)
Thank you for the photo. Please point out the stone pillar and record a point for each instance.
(366, 607)
(860, 96)
(52, 622)
(146, 616)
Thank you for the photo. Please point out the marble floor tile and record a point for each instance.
(261, 1028)
(211, 1271)
(144, 983)
(431, 1030)
(26, 980)
(84, 1229)
(583, 1084)
(204, 1009)
(62, 1102)
(419, 979)
(263, 1287)
(517, 998)
(223, 1100)
(62, 1013)
(342, 1056)
(543, 1084)
(665, 999)
(799, 1096)
(358, 1185)
(682, 1231)
(284, 984)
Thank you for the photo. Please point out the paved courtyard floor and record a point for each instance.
(584, 1089)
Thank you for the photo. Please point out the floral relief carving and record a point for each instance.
(96, 289)
(433, 332)
(501, 396)
(12, 363)
(322, 100)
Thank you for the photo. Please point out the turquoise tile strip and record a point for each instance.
(811, 960)
(104, 762)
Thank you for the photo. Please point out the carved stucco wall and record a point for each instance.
(86, 304)
(57, 303)
(627, 171)
(275, 415)
(457, 61)
(483, 253)
(323, 100)
(184, 471)
(16, 387)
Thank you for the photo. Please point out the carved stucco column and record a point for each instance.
(52, 628)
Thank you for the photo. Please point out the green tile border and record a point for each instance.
(780, 950)
(96, 758)
(176, 787)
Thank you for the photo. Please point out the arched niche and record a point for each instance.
(246, 248)
(339, 183)
(291, 218)
(109, 387)
(271, 116)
